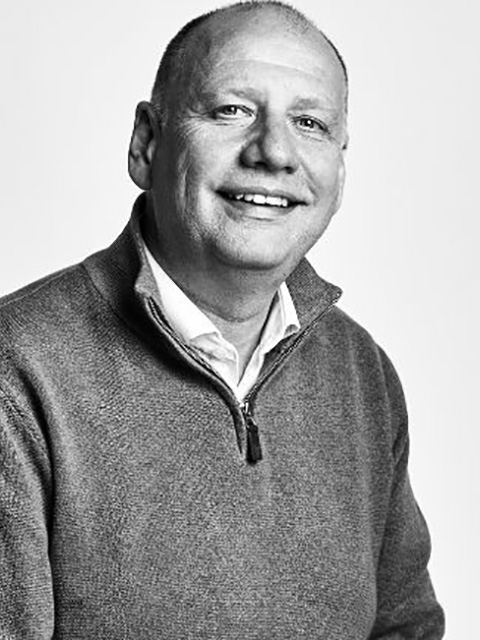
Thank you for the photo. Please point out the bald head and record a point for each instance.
(197, 40)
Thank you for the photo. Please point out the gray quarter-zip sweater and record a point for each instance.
(131, 505)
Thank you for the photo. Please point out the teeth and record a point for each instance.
(277, 201)
(260, 199)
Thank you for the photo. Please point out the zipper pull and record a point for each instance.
(254, 450)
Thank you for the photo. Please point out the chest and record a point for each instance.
(160, 524)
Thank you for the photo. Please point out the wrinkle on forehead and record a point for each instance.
(317, 88)
(239, 67)
(264, 37)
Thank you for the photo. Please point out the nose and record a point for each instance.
(271, 147)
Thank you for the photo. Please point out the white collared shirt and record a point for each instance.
(197, 330)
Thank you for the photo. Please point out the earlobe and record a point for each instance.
(142, 146)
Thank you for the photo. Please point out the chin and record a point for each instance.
(256, 260)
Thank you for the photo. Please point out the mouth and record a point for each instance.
(261, 199)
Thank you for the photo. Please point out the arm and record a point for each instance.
(407, 607)
(26, 594)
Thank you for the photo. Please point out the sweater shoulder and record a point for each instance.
(351, 341)
(340, 323)
(43, 306)
(45, 291)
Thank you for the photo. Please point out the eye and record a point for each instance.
(308, 123)
(231, 112)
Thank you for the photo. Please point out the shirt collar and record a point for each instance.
(190, 322)
(282, 320)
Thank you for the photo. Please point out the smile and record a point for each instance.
(260, 199)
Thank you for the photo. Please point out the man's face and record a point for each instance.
(249, 167)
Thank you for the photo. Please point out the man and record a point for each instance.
(195, 442)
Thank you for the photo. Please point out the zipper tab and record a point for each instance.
(254, 450)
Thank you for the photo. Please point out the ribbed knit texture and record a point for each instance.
(128, 509)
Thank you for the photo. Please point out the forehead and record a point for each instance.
(263, 52)
(268, 46)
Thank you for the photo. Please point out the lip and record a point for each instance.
(292, 198)
(241, 210)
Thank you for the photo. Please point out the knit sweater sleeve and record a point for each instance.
(26, 593)
(407, 606)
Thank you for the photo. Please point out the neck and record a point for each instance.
(238, 308)
(236, 300)
(244, 334)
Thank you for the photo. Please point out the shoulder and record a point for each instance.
(346, 335)
(44, 304)
(38, 331)
(42, 324)
(355, 351)
(334, 337)
(341, 324)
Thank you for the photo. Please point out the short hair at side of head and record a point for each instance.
(174, 56)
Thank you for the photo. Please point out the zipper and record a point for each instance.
(254, 449)
(297, 339)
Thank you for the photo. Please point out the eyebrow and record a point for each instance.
(324, 105)
(311, 103)
(210, 94)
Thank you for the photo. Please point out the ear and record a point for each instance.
(341, 182)
(142, 146)
(341, 172)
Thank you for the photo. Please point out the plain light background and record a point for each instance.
(403, 247)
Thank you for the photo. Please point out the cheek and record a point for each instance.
(197, 150)
(185, 171)
(198, 166)
(327, 173)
